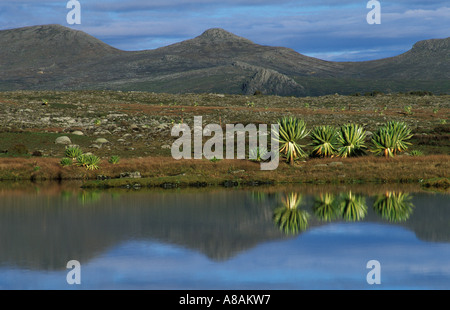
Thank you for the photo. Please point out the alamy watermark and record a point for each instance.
(374, 275)
(214, 147)
(74, 15)
(74, 275)
(374, 16)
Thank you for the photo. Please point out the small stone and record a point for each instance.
(131, 175)
(78, 133)
(166, 147)
(102, 132)
(101, 141)
(63, 140)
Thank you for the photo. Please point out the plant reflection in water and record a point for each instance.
(292, 218)
(289, 217)
(394, 207)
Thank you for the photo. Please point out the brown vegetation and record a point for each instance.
(156, 171)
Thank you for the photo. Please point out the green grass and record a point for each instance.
(62, 105)
(38, 140)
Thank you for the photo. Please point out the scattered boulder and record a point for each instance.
(169, 185)
(131, 175)
(78, 133)
(102, 132)
(101, 141)
(63, 140)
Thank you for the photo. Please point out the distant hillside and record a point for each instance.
(59, 58)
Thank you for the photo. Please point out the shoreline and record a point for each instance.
(166, 172)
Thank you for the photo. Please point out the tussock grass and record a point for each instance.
(159, 170)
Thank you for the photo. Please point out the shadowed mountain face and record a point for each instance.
(58, 58)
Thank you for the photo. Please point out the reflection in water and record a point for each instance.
(325, 207)
(352, 206)
(395, 207)
(43, 229)
(89, 197)
(289, 217)
(258, 197)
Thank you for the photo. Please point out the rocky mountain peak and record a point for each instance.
(220, 35)
(433, 45)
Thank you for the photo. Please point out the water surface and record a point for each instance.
(297, 237)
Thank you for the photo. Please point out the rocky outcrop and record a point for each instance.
(269, 81)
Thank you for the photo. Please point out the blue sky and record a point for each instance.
(330, 30)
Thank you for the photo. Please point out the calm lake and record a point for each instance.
(297, 237)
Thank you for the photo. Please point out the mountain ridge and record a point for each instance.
(55, 57)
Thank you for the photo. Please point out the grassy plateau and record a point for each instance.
(131, 132)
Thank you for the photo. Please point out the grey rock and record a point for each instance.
(265, 79)
(101, 141)
(102, 132)
(131, 175)
(63, 140)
